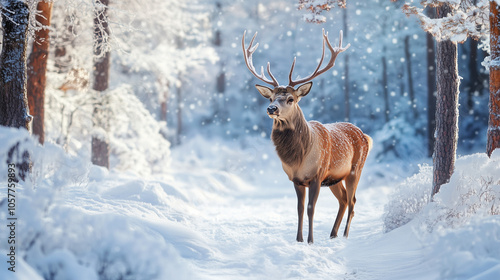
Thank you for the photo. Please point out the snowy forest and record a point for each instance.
(134, 143)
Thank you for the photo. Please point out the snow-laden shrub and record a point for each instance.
(398, 139)
(408, 199)
(473, 192)
(136, 141)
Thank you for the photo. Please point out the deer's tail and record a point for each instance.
(370, 142)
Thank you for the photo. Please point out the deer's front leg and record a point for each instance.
(314, 187)
(301, 195)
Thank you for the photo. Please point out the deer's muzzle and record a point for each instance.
(272, 110)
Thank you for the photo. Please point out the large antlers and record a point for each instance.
(335, 51)
(247, 52)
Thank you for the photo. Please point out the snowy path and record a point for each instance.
(252, 236)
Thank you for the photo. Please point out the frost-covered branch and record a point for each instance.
(316, 7)
(466, 20)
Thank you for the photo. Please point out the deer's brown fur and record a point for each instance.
(313, 154)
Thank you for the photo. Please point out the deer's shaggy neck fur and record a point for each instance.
(292, 138)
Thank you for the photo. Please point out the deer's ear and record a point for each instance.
(303, 90)
(264, 91)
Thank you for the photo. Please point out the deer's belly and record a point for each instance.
(328, 174)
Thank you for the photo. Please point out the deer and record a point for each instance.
(312, 154)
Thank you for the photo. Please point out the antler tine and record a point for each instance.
(335, 51)
(291, 71)
(247, 53)
(275, 82)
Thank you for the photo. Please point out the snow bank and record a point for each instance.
(461, 227)
(78, 221)
(473, 191)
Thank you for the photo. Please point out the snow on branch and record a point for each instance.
(466, 19)
(316, 7)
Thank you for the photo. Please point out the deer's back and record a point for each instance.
(342, 147)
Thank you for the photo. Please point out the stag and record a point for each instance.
(312, 154)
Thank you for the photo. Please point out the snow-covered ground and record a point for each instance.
(226, 210)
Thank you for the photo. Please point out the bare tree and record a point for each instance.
(37, 68)
(100, 145)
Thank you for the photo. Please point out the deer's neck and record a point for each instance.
(292, 138)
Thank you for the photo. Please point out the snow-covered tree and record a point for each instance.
(456, 21)
(13, 101)
(14, 111)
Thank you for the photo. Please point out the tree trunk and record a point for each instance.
(100, 146)
(179, 115)
(431, 89)
(474, 79)
(347, 104)
(446, 109)
(411, 92)
(14, 110)
(493, 134)
(66, 39)
(164, 100)
(385, 88)
(37, 68)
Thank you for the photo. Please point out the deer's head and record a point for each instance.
(284, 99)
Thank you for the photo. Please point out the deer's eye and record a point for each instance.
(290, 100)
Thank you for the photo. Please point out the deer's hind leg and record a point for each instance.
(351, 186)
(340, 193)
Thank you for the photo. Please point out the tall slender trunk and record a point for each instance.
(347, 103)
(493, 133)
(431, 94)
(446, 110)
(179, 115)
(431, 88)
(385, 88)
(37, 69)
(100, 145)
(474, 79)
(411, 92)
(164, 99)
